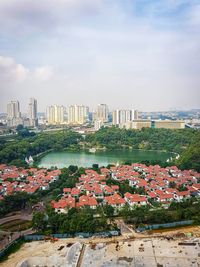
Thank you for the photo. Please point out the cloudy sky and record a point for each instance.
(142, 54)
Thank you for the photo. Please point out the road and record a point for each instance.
(22, 216)
(8, 236)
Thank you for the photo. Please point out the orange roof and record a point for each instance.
(114, 199)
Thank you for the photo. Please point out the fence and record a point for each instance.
(164, 225)
(9, 246)
(34, 237)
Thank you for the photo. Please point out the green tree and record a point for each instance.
(108, 210)
(39, 221)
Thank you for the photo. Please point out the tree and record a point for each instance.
(95, 167)
(72, 169)
(108, 210)
(81, 170)
(190, 159)
(39, 221)
(182, 188)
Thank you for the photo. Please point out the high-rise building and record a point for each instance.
(32, 112)
(50, 114)
(102, 113)
(13, 110)
(59, 114)
(55, 114)
(120, 117)
(78, 114)
(135, 115)
(13, 114)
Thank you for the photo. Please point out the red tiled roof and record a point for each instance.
(87, 201)
(182, 193)
(75, 191)
(66, 190)
(114, 199)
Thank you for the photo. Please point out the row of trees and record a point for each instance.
(185, 210)
(147, 138)
(73, 222)
(84, 220)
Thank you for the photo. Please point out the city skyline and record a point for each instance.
(126, 54)
(24, 109)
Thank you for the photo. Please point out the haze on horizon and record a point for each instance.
(141, 54)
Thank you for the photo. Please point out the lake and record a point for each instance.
(62, 159)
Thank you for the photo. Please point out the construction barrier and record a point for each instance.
(163, 225)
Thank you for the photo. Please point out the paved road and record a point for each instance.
(23, 216)
(11, 237)
(8, 236)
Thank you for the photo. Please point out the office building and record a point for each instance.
(168, 124)
(138, 124)
(77, 114)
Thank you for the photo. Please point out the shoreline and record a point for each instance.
(39, 157)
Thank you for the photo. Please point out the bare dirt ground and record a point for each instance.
(42, 248)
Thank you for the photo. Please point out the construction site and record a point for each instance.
(167, 248)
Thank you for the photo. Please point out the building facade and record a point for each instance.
(168, 124)
(13, 114)
(102, 113)
(121, 117)
(78, 114)
(55, 114)
(32, 112)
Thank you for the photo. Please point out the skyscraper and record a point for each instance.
(55, 114)
(102, 113)
(13, 110)
(120, 117)
(78, 114)
(13, 114)
(134, 114)
(32, 112)
(59, 114)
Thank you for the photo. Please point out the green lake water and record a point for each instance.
(103, 158)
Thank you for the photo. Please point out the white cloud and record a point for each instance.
(43, 73)
(21, 16)
(11, 71)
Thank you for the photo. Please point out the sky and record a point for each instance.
(142, 54)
